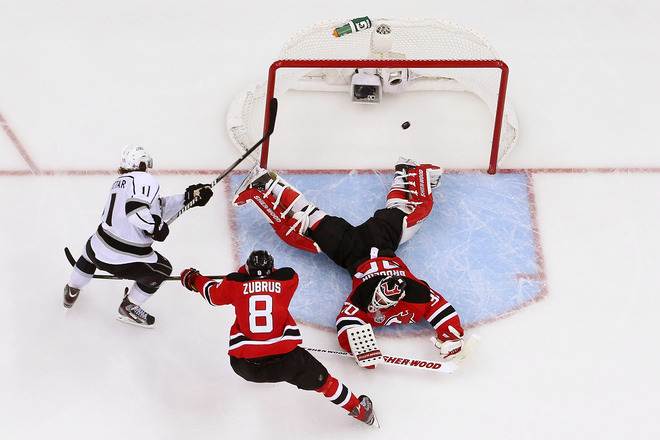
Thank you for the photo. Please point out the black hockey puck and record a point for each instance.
(405, 125)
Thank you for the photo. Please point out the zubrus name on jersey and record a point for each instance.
(262, 286)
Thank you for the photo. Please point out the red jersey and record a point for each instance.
(263, 324)
(419, 302)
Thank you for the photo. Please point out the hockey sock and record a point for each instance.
(137, 295)
(79, 279)
(339, 394)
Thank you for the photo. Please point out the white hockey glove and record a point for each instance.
(449, 349)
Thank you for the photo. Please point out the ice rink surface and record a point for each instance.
(79, 80)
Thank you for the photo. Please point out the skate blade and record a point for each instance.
(126, 320)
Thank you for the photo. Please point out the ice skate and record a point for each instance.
(70, 296)
(369, 416)
(133, 314)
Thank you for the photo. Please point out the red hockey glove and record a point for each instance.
(188, 279)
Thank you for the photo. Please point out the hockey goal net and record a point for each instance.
(389, 57)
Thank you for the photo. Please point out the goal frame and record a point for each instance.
(358, 64)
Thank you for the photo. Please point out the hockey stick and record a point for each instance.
(400, 361)
(272, 105)
(72, 261)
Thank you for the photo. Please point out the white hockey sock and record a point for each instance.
(137, 295)
(79, 279)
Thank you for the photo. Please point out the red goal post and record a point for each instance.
(435, 55)
(406, 64)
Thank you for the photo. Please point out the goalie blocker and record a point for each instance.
(364, 347)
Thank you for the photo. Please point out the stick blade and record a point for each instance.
(69, 256)
(467, 350)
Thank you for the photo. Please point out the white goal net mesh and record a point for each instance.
(403, 40)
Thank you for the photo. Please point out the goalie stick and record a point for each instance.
(417, 364)
(399, 361)
(72, 261)
(272, 105)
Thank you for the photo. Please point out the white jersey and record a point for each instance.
(128, 219)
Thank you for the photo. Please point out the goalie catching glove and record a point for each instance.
(188, 279)
(449, 349)
(199, 193)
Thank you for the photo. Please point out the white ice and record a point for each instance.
(80, 79)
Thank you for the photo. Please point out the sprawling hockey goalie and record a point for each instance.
(385, 292)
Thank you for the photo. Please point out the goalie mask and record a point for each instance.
(259, 264)
(132, 158)
(389, 291)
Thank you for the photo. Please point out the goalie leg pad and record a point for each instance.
(411, 193)
(286, 210)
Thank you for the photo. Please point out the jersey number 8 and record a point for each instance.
(261, 314)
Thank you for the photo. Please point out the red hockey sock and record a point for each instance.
(339, 394)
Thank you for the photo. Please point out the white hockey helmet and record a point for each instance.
(133, 155)
(389, 291)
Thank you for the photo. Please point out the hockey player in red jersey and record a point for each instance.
(264, 339)
(384, 291)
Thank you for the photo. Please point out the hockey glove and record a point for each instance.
(161, 230)
(449, 349)
(201, 192)
(188, 279)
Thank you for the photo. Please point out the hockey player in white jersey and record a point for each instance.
(134, 217)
